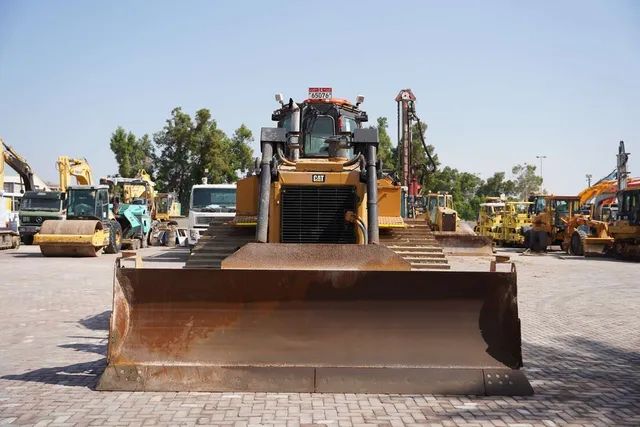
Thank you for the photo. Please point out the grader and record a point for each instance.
(306, 297)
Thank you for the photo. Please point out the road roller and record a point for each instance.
(89, 230)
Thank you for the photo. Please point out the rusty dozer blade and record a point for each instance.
(69, 238)
(457, 243)
(357, 331)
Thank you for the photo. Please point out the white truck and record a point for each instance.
(208, 202)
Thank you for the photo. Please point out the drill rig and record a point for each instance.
(439, 213)
(306, 298)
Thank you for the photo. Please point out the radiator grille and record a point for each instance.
(315, 214)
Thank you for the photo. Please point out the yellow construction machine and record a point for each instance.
(594, 232)
(89, 229)
(490, 217)
(550, 216)
(9, 237)
(167, 206)
(516, 217)
(306, 298)
(78, 168)
(625, 228)
(456, 238)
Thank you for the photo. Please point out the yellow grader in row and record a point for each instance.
(305, 290)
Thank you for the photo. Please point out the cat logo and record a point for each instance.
(317, 178)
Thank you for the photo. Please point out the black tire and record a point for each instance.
(576, 245)
(27, 240)
(115, 238)
(539, 241)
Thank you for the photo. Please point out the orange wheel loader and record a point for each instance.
(305, 297)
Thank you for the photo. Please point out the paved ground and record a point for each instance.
(581, 347)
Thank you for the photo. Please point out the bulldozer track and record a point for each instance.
(416, 244)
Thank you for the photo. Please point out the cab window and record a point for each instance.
(322, 128)
(348, 125)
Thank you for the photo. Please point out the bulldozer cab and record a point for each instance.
(438, 200)
(315, 122)
(88, 202)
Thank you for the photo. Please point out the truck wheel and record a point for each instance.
(115, 238)
(576, 246)
(27, 240)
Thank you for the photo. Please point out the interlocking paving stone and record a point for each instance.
(581, 334)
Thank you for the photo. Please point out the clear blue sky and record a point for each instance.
(498, 82)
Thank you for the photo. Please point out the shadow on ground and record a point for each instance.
(17, 254)
(179, 255)
(97, 322)
(576, 381)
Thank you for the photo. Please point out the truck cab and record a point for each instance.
(36, 208)
(206, 203)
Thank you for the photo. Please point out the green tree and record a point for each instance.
(122, 145)
(143, 155)
(174, 164)
(212, 151)
(385, 150)
(526, 181)
(496, 185)
(131, 154)
(242, 153)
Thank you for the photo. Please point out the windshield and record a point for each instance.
(163, 205)
(322, 128)
(213, 198)
(433, 203)
(539, 204)
(40, 204)
(82, 203)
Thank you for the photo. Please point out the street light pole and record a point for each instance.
(589, 179)
(541, 157)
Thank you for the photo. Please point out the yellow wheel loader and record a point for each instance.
(307, 299)
(90, 227)
(456, 238)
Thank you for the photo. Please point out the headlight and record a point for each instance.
(193, 234)
(25, 219)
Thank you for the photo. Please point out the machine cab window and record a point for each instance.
(103, 204)
(82, 203)
(321, 128)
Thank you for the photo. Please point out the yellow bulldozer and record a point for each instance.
(307, 297)
(455, 237)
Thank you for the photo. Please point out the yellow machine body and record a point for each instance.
(515, 218)
(490, 219)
